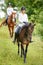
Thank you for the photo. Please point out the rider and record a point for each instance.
(9, 11)
(23, 20)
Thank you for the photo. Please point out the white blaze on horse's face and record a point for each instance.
(13, 20)
(13, 17)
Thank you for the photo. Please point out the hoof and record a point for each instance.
(24, 60)
(11, 36)
(13, 42)
(21, 56)
(31, 41)
(18, 52)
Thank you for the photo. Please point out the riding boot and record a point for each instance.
(18, 30)
(6, 21)
(15, 38)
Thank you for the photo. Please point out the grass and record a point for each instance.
(8, 51)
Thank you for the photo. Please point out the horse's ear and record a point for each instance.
(29, 24)
(34, 24)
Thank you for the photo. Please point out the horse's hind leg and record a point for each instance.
(12, 30)
(18, 47)
(22, 50)
(25, 53)
(15, 36)
(9, 31)
(3, 23)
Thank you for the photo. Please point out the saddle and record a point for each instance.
(6, 21)
(19, 29)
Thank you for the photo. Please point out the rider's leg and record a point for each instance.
(17, 31)
(6, 19)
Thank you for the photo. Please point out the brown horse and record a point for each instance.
(24, 37)
(10, 22)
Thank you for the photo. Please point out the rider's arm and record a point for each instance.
(26, 18)
(20, 18)
(7, 11)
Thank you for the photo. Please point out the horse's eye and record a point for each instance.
(32, 27)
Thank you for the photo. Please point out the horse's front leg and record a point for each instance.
(25, 53)
(9, 30)
(12, 30)
(18, 48)
(22, 50)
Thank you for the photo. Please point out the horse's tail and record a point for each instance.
(3, 23)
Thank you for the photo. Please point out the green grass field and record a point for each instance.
(8, 51)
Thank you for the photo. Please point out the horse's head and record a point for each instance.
(13, 16)
(31, 27)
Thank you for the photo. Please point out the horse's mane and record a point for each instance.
(10, 18)
(24, 30)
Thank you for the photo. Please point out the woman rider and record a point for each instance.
(9, 11)
(23, 20)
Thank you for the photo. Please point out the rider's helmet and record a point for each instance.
(23, 8)
(9, 4)
(15, 8)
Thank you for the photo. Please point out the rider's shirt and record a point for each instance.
(9, 11)
(22, 18)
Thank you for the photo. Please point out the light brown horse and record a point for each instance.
(11, 22)
(24, 37)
